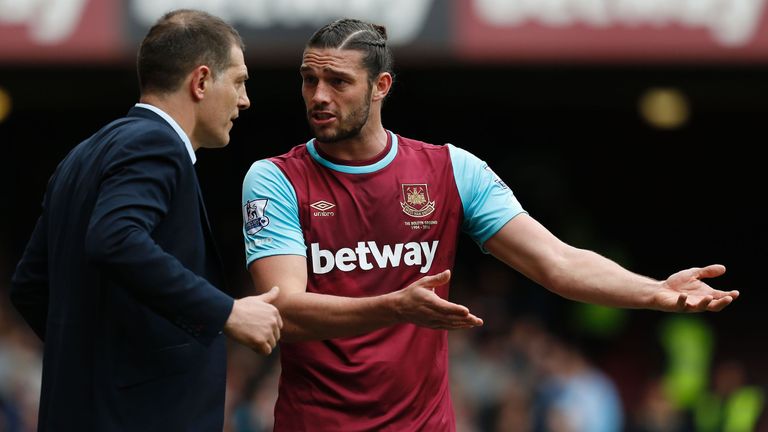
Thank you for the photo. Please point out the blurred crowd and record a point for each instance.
(21, 364)
(525, 370)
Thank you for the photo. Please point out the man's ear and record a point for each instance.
(381, 86)
(199, 81)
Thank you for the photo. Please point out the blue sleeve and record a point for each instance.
(487, 201)
(270, 214)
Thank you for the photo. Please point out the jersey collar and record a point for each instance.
(354, 169)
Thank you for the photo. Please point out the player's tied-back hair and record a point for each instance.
(180, 41)
(353, 34)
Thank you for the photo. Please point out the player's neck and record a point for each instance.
(371, 141)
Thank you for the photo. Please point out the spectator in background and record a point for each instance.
(20, 364)
(578, 396)
(120, 276)
(657, 412)
(732, 404)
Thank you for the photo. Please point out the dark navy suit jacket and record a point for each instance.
(119, 280)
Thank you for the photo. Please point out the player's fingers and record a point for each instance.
(442, 306)
(459, 325)
(711, 271)
(681, 302)
(474, 322)
(462, 327)
(719, 304)
(441, 278)
(460, 322)
(469, 319)
(721, 294)
(702, 304)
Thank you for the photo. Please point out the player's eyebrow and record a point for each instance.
(328, 70)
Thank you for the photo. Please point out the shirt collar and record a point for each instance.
(378, 162)
(174, 125)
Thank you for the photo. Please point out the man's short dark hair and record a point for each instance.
(347, 33)
(180, 41)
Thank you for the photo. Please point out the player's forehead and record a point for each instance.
(319, 60)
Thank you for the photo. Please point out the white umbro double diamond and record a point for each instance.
(322, 206)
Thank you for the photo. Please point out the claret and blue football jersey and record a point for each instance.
(369, 228)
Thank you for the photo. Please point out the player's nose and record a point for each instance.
(321, 95)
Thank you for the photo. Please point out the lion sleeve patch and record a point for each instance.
(254, 215)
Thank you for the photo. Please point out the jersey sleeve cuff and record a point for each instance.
(273, 252)
(493, 229)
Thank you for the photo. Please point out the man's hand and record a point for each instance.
(418, 304)
(255, 322)
(684, 291)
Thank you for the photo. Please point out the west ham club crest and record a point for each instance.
(416, 201)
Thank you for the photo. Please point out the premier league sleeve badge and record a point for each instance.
(254, 217)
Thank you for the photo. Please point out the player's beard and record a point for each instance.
(349, 126)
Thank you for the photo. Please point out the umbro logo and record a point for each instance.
(323, 208)
(322, 205)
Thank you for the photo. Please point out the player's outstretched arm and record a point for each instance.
(313, 316)
(583, 275)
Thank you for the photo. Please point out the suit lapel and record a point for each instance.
(219, 263)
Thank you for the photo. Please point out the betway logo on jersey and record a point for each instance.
(368, 254)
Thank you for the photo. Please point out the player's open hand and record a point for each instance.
(255, 322)
(685, 291)
(419, 304)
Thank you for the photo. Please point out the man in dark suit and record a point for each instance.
(120, 276)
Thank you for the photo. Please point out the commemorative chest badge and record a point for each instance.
(417, 204)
